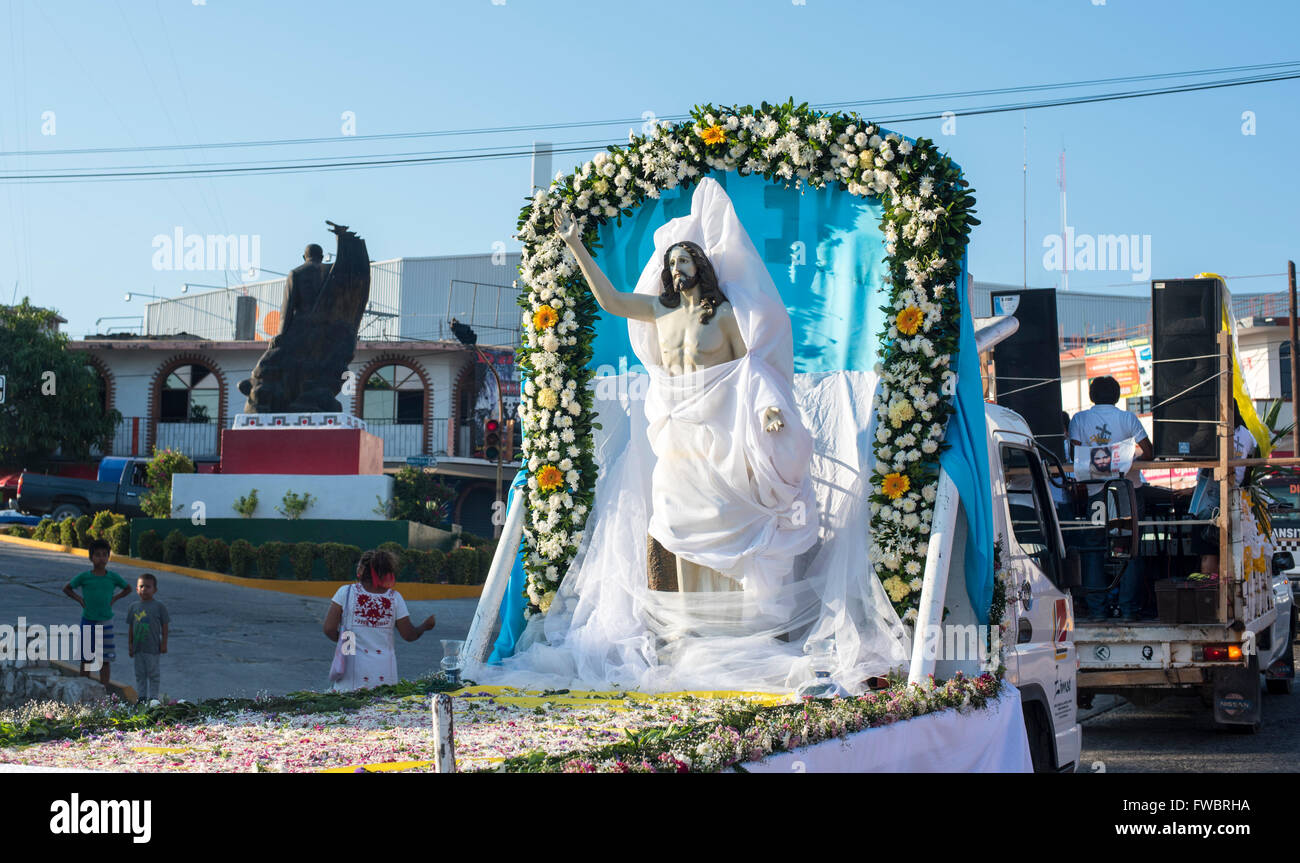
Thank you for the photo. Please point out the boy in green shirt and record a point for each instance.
(97, 598)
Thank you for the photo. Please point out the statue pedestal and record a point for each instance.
(297, 445)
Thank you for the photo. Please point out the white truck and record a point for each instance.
(1215, 641)
(1036, 570)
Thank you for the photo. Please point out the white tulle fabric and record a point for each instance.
(784, 514)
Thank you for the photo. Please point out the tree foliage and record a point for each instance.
(51, 396)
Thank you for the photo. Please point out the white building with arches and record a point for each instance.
(175, 384)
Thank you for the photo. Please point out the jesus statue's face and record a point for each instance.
(682, 267)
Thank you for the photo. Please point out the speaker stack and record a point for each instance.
(1185, 318)
(1027, 366)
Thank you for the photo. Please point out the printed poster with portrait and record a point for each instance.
(1100, 462)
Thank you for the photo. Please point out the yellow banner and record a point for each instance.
(1239, 393)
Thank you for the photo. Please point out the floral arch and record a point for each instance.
(928, 215)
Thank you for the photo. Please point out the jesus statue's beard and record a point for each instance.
(682, 282)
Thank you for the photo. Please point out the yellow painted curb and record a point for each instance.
(410, 590)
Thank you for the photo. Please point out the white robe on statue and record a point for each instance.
(726, 493)
(677, 465)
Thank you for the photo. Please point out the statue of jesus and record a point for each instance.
(723, 504)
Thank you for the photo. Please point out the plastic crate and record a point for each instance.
(1181, 601)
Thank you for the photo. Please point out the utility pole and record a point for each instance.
(1295, 384)
(501, 429)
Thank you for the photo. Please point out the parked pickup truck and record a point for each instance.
(120, 484)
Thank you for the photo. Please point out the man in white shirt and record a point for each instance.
(1100, 425)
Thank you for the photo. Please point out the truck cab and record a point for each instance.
(118, 487)
(1033, 574)
(1037, 572)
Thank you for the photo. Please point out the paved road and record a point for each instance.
(225, 639)
(1178, 735)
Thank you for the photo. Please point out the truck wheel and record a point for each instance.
(65, 510)
(1038, 728)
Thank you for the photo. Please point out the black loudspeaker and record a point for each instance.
(1027, 366)
(1185, 318)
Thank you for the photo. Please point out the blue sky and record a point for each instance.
(134, 73)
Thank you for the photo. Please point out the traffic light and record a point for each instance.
(508, 441)
(492, 440)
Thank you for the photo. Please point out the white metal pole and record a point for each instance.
(444, 735)
(477, 646)
(935, 586)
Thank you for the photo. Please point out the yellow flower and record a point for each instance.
(545, 317)
(550, 478)
(548, 398)
(896, 588)
(895, 485)
(544, 605)
(713, 135)
(900, 412)
(909, 320)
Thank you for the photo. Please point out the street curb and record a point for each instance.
(410, 590)
(72, 669)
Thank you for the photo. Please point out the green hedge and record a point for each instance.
(151, 546)
(102, 521)
(68, 532)
(301, 557)
(174, 548)
(462, 565)
(119, 537)
(216, 556)
(195, 552)
(242, 558)
(82, 528)
(340, 560)
(268, 559)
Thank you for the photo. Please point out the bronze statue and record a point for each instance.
(302, 369)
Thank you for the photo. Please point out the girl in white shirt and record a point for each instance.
(372, 610)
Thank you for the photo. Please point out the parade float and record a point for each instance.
(611, 638)
(841, 248)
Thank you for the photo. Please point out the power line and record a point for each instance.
(547, 127)
(150, 173)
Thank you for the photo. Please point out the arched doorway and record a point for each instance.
(394, 403)
(189, 408)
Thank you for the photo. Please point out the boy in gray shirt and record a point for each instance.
(146, 625)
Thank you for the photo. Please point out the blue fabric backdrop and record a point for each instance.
(826, 254)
